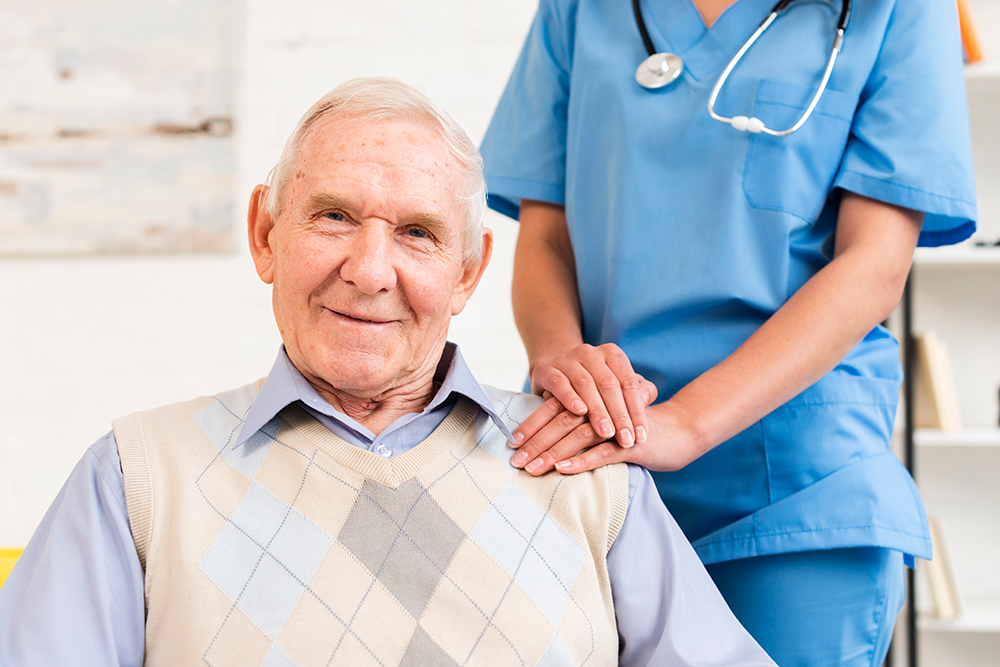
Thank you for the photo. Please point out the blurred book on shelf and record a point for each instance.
(935, 395)
(939, 576)
(971, 43)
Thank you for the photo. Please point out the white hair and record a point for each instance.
(378, 99)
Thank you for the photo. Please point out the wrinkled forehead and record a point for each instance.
(400, 158)
(400, 136)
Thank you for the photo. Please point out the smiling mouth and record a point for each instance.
(359, 318)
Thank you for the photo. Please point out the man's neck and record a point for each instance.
(377, 413)
(377, 409)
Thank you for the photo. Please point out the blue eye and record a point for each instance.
(416, 232)
(336, 215)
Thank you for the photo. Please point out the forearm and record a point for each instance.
(796, 346)
(596, 381)
(810, 334)
(545, 283)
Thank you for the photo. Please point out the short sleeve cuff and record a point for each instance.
(946, 221)
(505, 193)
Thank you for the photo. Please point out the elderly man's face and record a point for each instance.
(366, 255)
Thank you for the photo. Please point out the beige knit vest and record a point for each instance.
(297, 548)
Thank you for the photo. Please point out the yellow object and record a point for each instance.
(7, 559)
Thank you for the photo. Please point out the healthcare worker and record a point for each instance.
(743, 273)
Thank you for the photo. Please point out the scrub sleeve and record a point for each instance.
(689, 234)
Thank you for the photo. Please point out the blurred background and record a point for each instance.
(131, 136)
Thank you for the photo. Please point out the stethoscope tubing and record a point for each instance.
(643, 32)
(755, 125)
(780, 6)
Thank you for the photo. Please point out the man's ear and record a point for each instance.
(259, 226)
(471, 274)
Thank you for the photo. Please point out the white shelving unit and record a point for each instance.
(966, 437)
(955, 292)
(975, 618)
(963, 254)
(977, 615)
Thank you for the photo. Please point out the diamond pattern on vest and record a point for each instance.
(264, 558)
(404, 538)
(534, 550)
(423, 651)
(556, 655)
(492, 592)
(277, 658)
(221, 421)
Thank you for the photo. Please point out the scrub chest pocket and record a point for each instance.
(793, 174)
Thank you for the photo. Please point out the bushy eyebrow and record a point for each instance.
(321, 201)
(435, 224)
(431, 222)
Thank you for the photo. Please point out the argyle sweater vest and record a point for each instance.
(297, 548)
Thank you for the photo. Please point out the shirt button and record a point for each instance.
(383, 451)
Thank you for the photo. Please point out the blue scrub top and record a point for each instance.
(689, 234)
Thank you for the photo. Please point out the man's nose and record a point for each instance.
(369, 264)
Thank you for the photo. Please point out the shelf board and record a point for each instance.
(975, 617)
(983, 70)
(957, 256)
(966, 437)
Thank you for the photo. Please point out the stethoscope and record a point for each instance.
(660, 69)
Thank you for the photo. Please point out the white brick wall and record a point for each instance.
(85, 340)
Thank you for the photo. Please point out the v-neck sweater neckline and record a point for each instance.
(388, 471)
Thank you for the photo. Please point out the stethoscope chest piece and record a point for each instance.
(658, 70)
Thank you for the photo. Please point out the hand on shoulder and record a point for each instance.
(568, 443)
(597, 381)
(607, 419)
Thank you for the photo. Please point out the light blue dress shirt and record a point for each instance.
(76, 595)
(688, 234)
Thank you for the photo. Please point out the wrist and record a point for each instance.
(543, 354)
(682, 429)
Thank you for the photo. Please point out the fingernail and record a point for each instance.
(579, 407)
(518, 438)
(519, 459)
(625, 438)
(640, 434)
(563, 466)
(606, 429)
(534, 465)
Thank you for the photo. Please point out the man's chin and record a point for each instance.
(368, 369)
(363, 373)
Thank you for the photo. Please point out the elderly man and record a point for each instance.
(357, 506)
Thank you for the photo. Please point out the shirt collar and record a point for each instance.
(285, 385)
